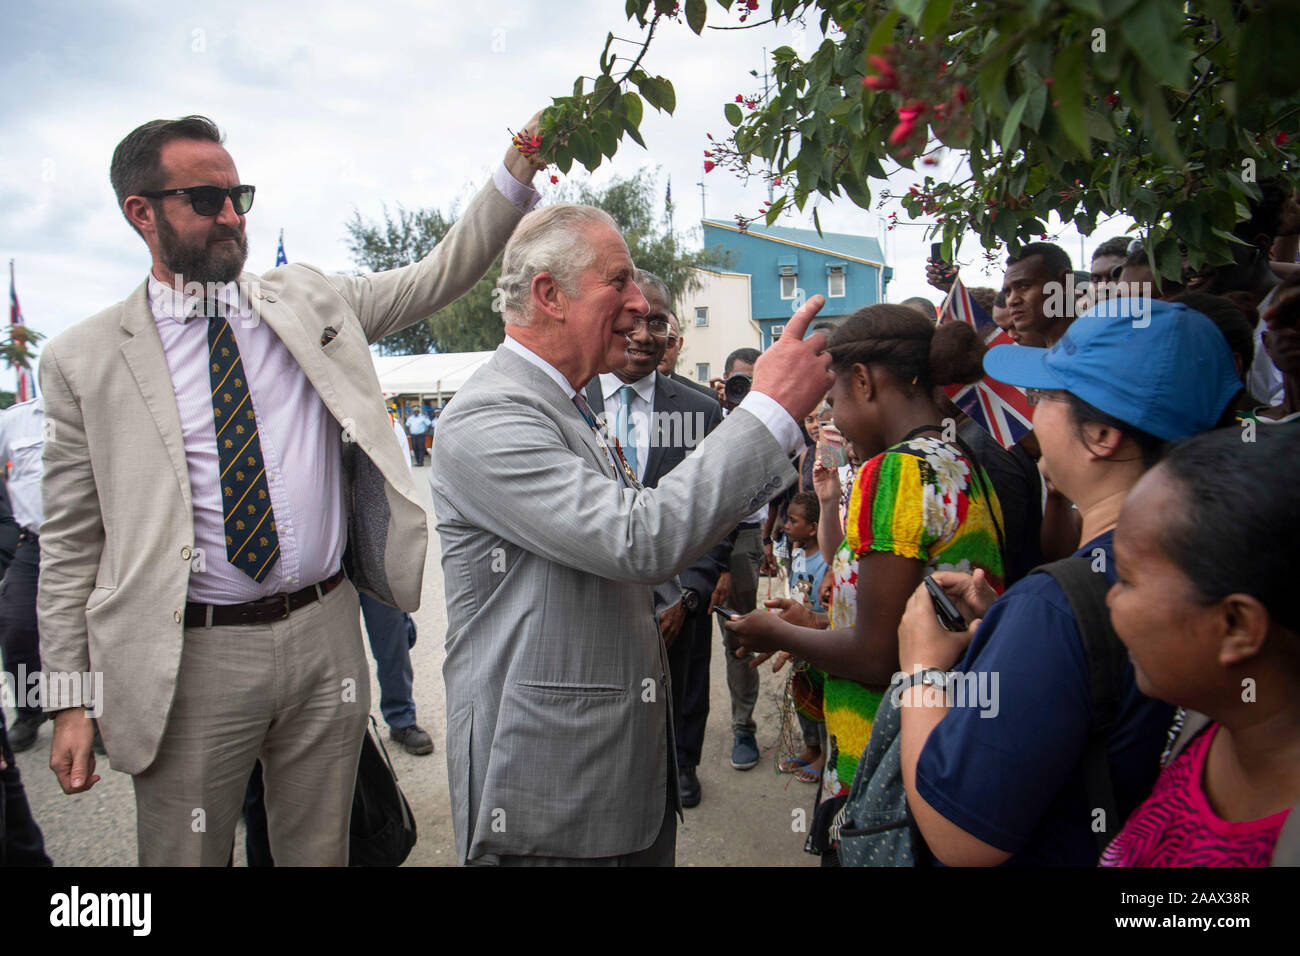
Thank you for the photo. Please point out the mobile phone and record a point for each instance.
(949, 616)
(936, 252)
(830, 456)
(724, 615)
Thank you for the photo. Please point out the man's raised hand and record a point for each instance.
(795, 372)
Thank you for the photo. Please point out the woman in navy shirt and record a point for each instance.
(999, 778)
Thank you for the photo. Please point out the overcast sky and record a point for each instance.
(331, 107)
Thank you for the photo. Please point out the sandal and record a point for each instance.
(806, 774)
(791, 765)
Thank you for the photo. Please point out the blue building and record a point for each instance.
(787, 266)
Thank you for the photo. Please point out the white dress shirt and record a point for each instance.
(300, 442)
(21, 440)
(641, 411)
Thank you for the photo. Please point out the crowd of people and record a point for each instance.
(1072, 649)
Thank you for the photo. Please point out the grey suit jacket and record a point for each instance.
(119, 524)
(557, 687)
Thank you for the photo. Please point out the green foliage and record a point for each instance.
(16, 343)
(469, 324)
(1166, 111)
(634, 203)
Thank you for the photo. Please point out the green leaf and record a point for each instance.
(696, 12)
(881, 33)
(1169, 259)
(633, 132)
(668, 95)
(1157, 116)
(936, 16)
(1188, 223)
(817, 221)
(1152, 30)
(911, 9)
(734, 116)
(775, 210)
(858, 191)
(1004, 224)
(1068, 93)
(1013, 119)
(1098, 127)
(1269, 49)
(632, 109)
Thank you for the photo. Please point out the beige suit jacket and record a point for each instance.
(119, 525)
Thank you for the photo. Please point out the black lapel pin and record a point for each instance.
(328, 335)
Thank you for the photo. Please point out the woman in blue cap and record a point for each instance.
(1028, 770)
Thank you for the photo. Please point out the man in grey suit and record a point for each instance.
(668, 420)
(214, 454)
(558, 736)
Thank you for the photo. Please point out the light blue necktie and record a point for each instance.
(623, 428)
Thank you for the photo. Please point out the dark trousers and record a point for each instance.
(19, 638)
(688, 663)
(21, 843)
(9, 531)
(417, 448)
(392, 635)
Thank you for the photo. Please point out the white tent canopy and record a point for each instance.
(441, 374)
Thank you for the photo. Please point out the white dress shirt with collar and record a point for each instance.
(300, 449)
(642, 411)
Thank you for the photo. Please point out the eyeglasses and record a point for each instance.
(673, 340)
(209, 200)
(657, 327)
(1036, 396)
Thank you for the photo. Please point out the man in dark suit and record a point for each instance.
(659, 420)
(672, 349)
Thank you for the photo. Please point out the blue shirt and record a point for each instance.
(810, 567)
(1014, 780)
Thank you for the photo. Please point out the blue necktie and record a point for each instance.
(624, 430)
(251, 542)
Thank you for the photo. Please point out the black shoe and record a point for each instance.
(689, 784)
(413, 739)
(23, 734)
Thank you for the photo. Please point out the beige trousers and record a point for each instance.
(294, 693)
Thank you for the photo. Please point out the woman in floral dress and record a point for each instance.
(919, 503)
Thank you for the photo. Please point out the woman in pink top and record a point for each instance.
(1206, 605)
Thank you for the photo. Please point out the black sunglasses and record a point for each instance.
(208, 200)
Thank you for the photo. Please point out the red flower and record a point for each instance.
(708, 166)
(555, 179)
(752, 4)
(776, 181)
(930, 161)
(1112, 98)
(902, 132)
(739, 98)
(1280, 139)
(960, 93)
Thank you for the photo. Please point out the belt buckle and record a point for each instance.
(287, 609)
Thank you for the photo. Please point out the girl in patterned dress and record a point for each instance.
(919, 503)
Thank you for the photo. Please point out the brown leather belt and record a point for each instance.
(274, 608)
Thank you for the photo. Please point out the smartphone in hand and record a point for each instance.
(949, 616)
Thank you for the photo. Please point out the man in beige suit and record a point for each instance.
(220, 481)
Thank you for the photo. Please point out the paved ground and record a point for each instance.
(745, 819)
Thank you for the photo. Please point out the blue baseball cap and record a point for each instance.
(1161, 367)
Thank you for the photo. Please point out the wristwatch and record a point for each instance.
(690, 600)
(929, 676)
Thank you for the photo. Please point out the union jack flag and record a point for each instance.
(1000, 409)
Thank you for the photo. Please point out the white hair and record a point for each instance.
(552, 239)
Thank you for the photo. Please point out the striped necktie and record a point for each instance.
(252, 544)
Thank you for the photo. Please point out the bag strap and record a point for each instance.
(1086, 591)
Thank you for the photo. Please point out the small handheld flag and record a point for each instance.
(280, 258)
(24, 388)
(1000, 409)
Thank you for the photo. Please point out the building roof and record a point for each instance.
(859, 248)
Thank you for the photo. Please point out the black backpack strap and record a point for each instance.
(1086, 591)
